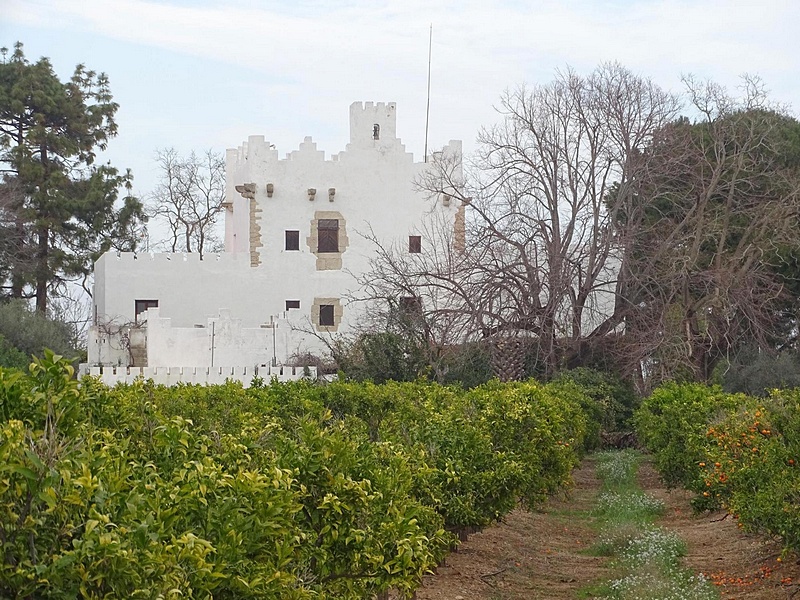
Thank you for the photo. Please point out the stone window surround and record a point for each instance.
(338, 311)
(328, 261)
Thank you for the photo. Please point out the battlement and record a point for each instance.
(178, 258)
(308, 150)
(371, 122)
(257, 147)
(170, 376)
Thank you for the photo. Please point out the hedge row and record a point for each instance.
(734, 451)
(279, 491)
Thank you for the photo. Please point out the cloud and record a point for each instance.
(339, 44)
(294, 67)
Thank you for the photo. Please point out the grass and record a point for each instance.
(646, 557)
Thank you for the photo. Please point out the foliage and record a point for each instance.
(542, 425)
(57, 207)
(29, 332)
(672, 422)
(278, 491)
(611, 400)
(751, 465)
(709, 234)
(10, 356)
(755, 373)
(468, 365)
(742, 454)
(382, 356)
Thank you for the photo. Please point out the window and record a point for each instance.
(410, 305)
(326, 315)
(328, 235)
(290, 304)
(415, 244)
(292, 240)
(376, 132)
(142, 306)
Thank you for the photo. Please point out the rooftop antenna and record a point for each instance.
(428, 107)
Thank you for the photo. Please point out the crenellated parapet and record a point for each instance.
(176, 259)
(372, 126)
(170, 376)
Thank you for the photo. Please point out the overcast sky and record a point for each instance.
(198, 74)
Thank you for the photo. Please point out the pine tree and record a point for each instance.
(58, 209)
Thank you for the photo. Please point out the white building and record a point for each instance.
(292, 251)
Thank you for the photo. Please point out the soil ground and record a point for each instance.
(544, 555)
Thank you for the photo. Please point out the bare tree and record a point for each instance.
(533, 259)
(420, 295)
(189, 199)
(703, 230)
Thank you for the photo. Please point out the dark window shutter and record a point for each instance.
(328, 235)
(292, 240)
(326, 315)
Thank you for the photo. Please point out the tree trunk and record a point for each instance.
(508, 359)
(42, 270)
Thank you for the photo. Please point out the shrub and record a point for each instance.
(752, 465)
(29, 332)
(291, 491)
(672, 424)
(468, 365)
(380, 357)
(11, 357)
(607, 399)
(756, 373)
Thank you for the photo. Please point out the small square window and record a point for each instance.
(415, 244)
(141, 306)
(328, 235)
(292, 239)
(290, 304)
(326, 315)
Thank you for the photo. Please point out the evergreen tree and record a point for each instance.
(58, 209)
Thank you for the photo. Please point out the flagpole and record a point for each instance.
(428, 105)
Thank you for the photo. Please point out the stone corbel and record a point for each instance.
(247, 190)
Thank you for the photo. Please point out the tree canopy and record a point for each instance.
(709, 234)
(608, 223)
(59, 210)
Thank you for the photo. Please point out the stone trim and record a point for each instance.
(460, 228)
(338, 311)
(255, 233)
(248, 192)
(328, 261)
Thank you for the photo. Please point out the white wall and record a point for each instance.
(111, 376)
(374, 183)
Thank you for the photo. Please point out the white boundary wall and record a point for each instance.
(168, 376)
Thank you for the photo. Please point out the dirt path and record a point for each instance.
(744, 566)
(531, 555)
(543, 555)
